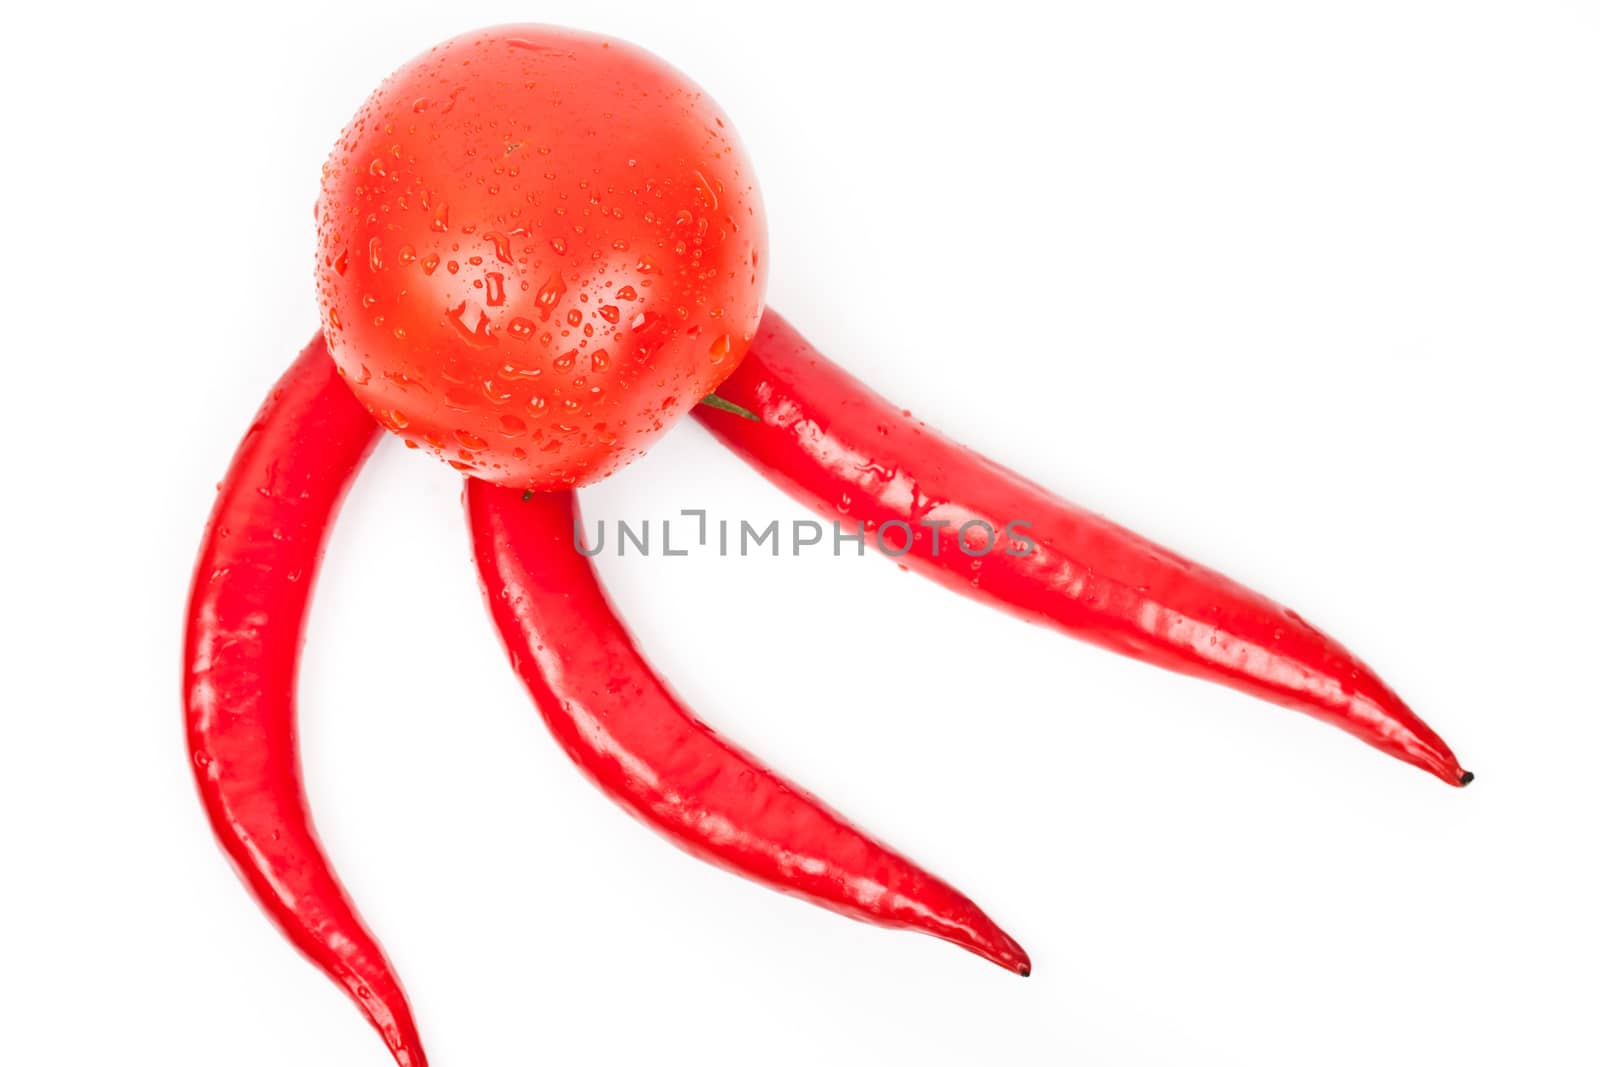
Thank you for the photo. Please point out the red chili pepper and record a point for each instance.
(840, 448)
(626, 730)
(247, 612)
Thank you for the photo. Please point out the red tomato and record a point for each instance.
(537, 250)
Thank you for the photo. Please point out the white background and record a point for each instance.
(1305, 291)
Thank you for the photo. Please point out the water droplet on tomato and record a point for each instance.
(706, 191)
(502, 246)
(477, 335)
(549, 295)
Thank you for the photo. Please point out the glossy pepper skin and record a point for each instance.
(626, 730)
(246, 618)
(838, 447)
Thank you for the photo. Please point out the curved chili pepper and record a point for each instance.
(838, 447)
(247, 611)
(627, 731)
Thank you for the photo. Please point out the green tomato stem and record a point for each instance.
(712, 400)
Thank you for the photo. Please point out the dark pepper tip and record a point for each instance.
(1467, 777)
(1024, 970)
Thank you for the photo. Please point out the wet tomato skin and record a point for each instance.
(537, 249)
